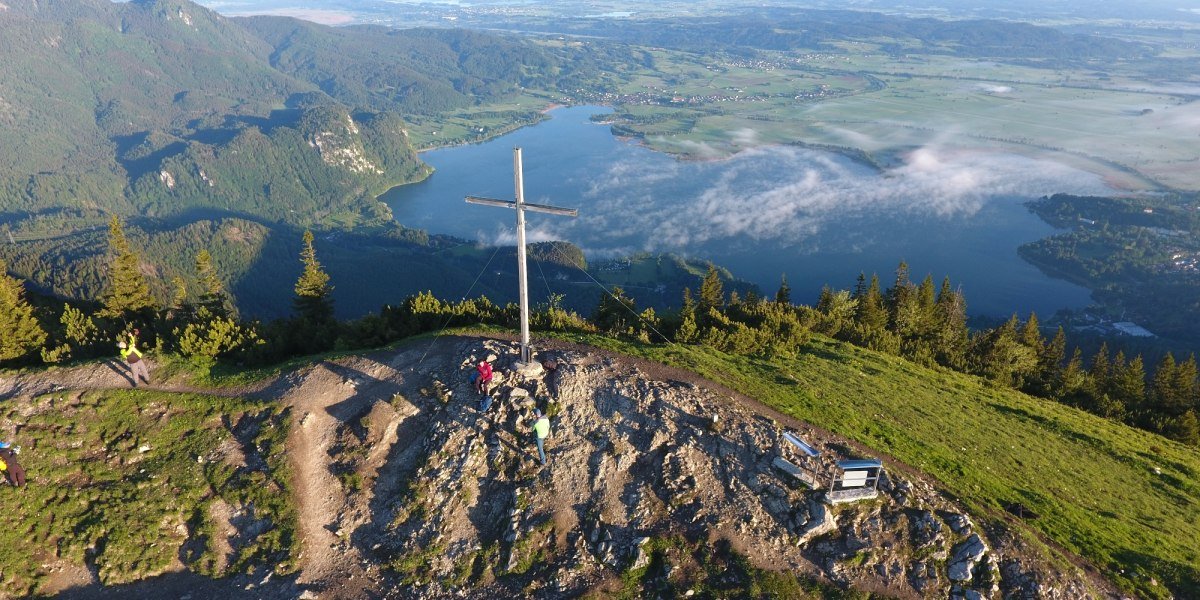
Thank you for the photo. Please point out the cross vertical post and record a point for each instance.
(521, 206)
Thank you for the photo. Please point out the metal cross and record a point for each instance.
(521, 206)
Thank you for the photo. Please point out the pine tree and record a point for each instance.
(860, 286)
(837, 311)
(616, 313)
(1100, 369)
(1031, 334)
(952, 334)
(1185, 428)
(1185, 383)
(926, 305)
(128, 294)
(1002, 357)
(1128, 385)
(784, 295)
(179, 295)
(901, 300)
(712, 292)
(213, 296)
(313, 293)
(20, 332)
(872, 315)
(1165, 397)
(1050, 363)
(1073, 381)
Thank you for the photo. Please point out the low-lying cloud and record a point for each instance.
(788, 195)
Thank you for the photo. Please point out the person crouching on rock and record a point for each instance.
(133, 356)
(483, 377)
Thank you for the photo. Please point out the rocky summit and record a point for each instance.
(657, 484)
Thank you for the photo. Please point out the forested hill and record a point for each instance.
(169, 115)
(821, 30)
(416, 71)
(159, 107)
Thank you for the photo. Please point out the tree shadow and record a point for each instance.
(176, 586)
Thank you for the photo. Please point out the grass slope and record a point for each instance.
(1124, 499)
(121, 480)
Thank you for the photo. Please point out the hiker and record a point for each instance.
(482, 377)
(552, 377)
(13, 473)
(133, 356)
(541, 428)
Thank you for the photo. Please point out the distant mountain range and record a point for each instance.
(232, 135)
(160, 107)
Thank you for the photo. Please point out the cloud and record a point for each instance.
(995, 89)
(744, 136)
(791, 195)
(702, 150)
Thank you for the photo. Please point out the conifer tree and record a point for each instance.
(1100, 369)
(1185, 428)
(872, 315)
(1129, 385)
(712, 292)
(20, 332)
(1073, 384)
(952, 333)
(837, 310)
(860, 286)
(784, 295)
(1164, 397)
(1185, 383)
(128, 294)
(1002, 357)
(212, 297)
(926, 305)
(179, 295)
(1031, 334)
(313, 291)
(902, 307)
(616, 312)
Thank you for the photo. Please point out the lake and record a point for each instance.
(818, 217)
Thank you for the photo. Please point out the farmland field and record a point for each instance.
(1136, 134)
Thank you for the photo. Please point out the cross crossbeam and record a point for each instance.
(521, 206)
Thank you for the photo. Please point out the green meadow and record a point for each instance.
(1123, 499)
(119, 480)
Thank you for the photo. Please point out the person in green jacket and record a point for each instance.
(541, 428)
(133, 356)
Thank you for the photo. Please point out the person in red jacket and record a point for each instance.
(483, 377)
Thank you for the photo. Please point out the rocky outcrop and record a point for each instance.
(645, 472)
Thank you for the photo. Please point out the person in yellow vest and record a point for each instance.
(541, 429)
(13, 473)
(133, 356)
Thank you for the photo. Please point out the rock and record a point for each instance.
(964, 557)
(532, 369)
(640, 558)
(307, 595)
(959, 523)
(819, 522)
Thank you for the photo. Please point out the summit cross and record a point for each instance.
(521, 206)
